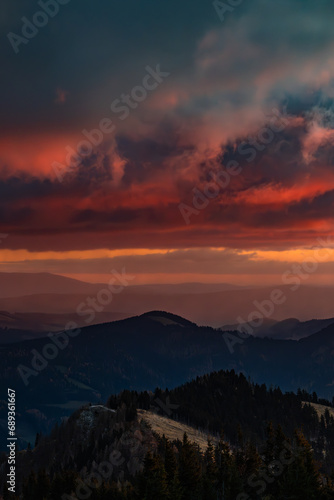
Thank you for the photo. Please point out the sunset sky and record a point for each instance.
(244, 112)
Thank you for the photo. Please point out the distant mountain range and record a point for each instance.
(22, 284)
(287, 329)
(24, 326)
(205, 304)
(157, 349)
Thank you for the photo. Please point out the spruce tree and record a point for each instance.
(190, 470)
(210, 476)
(153, 482)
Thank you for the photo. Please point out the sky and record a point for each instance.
(184, 141)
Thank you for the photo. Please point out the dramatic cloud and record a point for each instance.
(233, 149)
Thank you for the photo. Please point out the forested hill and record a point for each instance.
(229, 402)
(273, 446)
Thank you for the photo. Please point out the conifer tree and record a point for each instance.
(170, 462)
(190, 470)
(210, 476)
(153, 483)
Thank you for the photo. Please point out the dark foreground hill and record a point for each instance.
(53, 377)
(110, 452)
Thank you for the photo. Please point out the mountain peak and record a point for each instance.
(167, 318)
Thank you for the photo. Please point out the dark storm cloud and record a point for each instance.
(144, 157)
(97, 168)
(25, 187)
(84, 178)
(118, 216)
(279, 165)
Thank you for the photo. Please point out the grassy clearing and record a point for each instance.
(175, 430)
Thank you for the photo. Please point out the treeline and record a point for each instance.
(229, 401)
(283, 469)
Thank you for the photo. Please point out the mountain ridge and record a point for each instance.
(140, 353)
